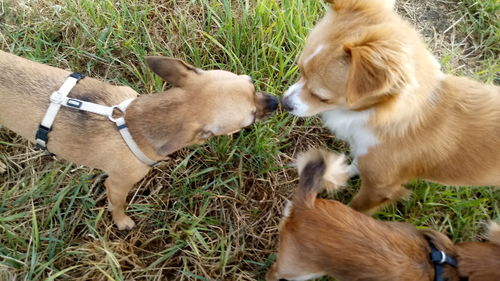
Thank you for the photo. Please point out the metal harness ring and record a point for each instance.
(121, 112)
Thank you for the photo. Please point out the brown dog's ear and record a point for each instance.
(379, 66)
(174, 71)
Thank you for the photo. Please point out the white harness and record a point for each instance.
(60, 98)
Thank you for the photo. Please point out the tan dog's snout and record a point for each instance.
(270, 104)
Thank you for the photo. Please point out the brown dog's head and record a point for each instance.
(201, 104)
(360, 54)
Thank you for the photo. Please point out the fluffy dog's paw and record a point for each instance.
(124, 223)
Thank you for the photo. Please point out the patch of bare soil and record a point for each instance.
(438, 22)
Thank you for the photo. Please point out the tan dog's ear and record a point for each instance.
(174, 143)
(379, 65)
(172, 70)
(182, 139)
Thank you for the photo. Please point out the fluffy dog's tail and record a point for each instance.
(319, 169)
(494, 233)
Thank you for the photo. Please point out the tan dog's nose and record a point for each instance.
(271, 103)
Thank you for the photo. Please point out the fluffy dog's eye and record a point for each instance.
(319, 98)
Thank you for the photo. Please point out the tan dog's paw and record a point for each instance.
(124, 223)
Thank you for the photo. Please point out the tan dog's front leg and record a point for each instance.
(372, 197)
(117, 188)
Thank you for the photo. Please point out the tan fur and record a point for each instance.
(428, 125)
(324, 237)
(203, 104)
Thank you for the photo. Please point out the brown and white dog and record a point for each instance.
(369, 75)
(200, 105)
(324, 237)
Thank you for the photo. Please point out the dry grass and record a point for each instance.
(210, 212)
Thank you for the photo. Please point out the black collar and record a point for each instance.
(440, 258)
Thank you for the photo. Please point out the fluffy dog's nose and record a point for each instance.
(286, 104)
(271, 103)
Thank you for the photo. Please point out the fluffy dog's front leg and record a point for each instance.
(117, 187)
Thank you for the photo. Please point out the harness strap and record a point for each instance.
(87, 106)
(440, 258)
(121, 125)
(42, 135)
(60, 98)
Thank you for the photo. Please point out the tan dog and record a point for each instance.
(200, 105)
(324, 237)
(375, 84)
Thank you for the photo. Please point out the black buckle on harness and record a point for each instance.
(74, 103)
(77, 75)
(42, 136)
(440, 258)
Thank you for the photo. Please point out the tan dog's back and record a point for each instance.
(25, 88)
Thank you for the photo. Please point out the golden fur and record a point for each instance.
(200, 105)
(324, 237)
(364, 58)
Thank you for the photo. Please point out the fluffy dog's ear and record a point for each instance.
(379, 65)
(172, 70)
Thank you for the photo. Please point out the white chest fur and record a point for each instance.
(352, 127)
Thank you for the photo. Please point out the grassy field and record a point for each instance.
(210, 212)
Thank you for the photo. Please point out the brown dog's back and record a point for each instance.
(481, 261)
(325, 237)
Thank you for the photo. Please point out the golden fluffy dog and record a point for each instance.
(200, 104)
(324, 237)
(369, 75)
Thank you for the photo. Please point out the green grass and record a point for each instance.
(210, 212)
(481, 21)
